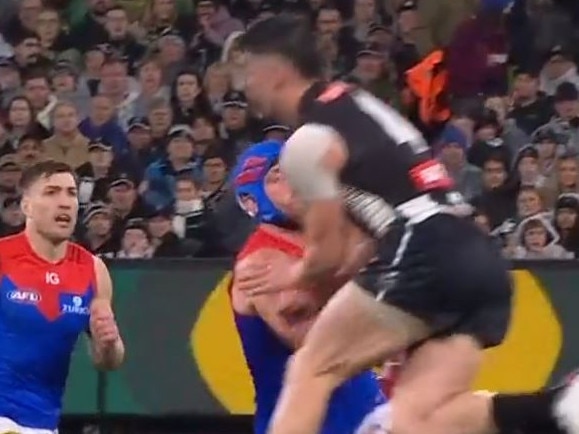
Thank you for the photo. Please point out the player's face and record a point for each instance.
(280, 193)
(51, 206)
(262, 80)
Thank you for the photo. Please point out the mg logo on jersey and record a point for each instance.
(51, 278)
(25, 296)
(76, 306)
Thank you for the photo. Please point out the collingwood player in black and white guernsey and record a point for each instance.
(447, 294)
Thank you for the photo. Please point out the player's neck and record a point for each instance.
(44, 248)
(293, 97)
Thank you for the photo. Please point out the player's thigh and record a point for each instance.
(354, 331)
(437, 370)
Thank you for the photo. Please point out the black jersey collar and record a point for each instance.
(309, 98)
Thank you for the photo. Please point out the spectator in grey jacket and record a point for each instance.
(537, 239)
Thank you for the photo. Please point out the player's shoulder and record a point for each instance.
(265, 240)
(78, 255)
(335, 100)
(12, 246)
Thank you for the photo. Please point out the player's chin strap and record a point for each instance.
(248, 179)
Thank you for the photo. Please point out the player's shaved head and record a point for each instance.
(44, 169)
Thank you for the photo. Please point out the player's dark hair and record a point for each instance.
(44, 169)
(287, 36)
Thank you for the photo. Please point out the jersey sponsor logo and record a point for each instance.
(430, 175)
(76, 306)
(24, 296)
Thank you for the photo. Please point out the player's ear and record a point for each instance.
(25, 205)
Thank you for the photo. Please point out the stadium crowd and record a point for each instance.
(146, 101)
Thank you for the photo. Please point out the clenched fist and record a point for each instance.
(103, 327)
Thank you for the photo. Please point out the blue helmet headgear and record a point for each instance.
(248, 180)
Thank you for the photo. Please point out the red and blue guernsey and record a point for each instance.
(44, 307)
(267, 357)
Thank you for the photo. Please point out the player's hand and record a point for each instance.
(265, 278)
(103, 327)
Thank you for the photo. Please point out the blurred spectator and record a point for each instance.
(125, 202)
(276, 131)
(27, 52)
(565, 178)
(487, 140)
(530, 109)
(94, 175)
(236, 129)
(135, 241)
(214, 177)
(141, 152)
(10, 173)
(233, 57)
(537, 239)
(54, 41)
(10, 79)
(101, 123)
(558, 69)
(160, 119)
(37, 90)
(150, 77)
(115, 85)
(116, 24)
(191, 218)
(216, 84)
(20, 121)
(529, 202)
(188, 99)
(67, 144)
(98, 237)
(90, 29)
(497, 197)
(451, 150)
(159, 15)
(158, 186)
(527, 168)
(66, 86)
(12, 218)
(566, 223)
(26, 19)
(29, 150)
(478, 54)
(165, 242)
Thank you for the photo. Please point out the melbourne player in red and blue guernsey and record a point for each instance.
(51, 291)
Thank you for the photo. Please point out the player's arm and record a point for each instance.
(264, 306)
(107, 348)
(312, 160)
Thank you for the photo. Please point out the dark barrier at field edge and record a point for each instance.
(184, 359)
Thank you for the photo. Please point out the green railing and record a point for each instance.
(184, 358)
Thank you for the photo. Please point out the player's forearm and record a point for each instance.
(110, 357)
(325, 244)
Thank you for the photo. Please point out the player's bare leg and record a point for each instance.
(433, 392)
(352, 333)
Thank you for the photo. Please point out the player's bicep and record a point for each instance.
(312, 160)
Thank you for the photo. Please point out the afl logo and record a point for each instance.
(23, 296)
